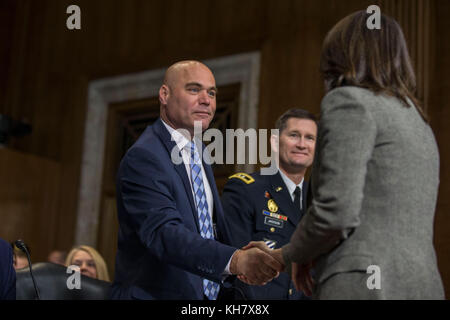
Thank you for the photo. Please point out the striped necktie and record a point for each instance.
(210, 288)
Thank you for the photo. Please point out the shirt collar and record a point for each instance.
(289, 183)
(180, 139)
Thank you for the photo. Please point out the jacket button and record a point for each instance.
(272, 229)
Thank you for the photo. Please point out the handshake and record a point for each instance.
(256, 263)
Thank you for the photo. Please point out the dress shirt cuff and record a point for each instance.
(227, 272)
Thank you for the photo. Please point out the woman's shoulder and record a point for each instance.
(352, 97)
(348, 98)
(349, 93)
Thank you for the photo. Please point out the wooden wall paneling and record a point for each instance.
(27, 105)
(423, 22)
(291, 55)
(416, 17)
(29, 196)
(7, 19)
(440, 117)
(72, 138)
(69, 83)
(18, 46)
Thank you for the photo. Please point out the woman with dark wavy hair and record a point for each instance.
(369, 229)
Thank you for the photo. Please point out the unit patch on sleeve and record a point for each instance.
(270, 243)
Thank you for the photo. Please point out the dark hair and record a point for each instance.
(293, 113)
(376, 59)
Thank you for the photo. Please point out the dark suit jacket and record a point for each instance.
(7, 272)
(244, 206)
(161, 254)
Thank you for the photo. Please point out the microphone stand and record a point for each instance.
(21, 245)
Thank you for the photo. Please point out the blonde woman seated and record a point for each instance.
(90, 262)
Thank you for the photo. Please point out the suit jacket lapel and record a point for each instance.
(284, 200)
(165, 137)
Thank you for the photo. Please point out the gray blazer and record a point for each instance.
(375, 184)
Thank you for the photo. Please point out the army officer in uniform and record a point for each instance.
(268, 207)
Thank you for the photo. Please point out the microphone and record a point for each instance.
(22, 246)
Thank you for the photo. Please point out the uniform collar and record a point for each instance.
(290, 185)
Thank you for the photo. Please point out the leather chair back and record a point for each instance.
(51, 279)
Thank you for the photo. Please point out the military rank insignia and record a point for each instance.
(243, 177)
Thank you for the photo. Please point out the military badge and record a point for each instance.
(273, 207)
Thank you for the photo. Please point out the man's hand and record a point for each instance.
(254, 266)
(277, 253)
(301, 275)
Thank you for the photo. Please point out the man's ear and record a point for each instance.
(163, 94)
